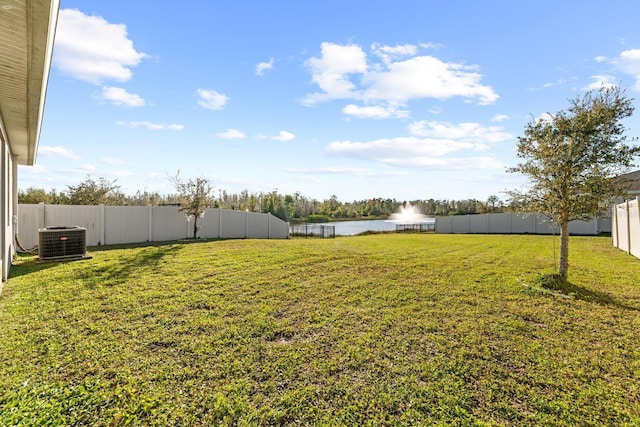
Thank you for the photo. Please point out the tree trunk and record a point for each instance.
(564, 249)
(195, 227)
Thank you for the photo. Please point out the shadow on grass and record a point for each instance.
(149, 255)
(556, 283)
(27, 264)
(117, 270)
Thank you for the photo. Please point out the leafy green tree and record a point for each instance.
(493, 203)
(194, 195)
(571, 159)
(33, 195)
(92, 192)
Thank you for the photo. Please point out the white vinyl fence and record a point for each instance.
(110, 225)
(512, 223)
(626, 227)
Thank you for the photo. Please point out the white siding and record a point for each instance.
(6, 209)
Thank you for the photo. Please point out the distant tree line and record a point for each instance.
(290, 207)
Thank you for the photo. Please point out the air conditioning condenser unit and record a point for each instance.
(58, 243)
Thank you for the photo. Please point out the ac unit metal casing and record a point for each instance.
(62, 243)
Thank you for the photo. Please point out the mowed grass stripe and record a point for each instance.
(372, 330)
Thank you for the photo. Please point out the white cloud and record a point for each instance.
(87, 167)
(111, 160)
(356, 172)
(499, 118)
(431, 144)
(629, 62)
(600, 58)
(120, 96)
(473, 133)
(211, 100)
(36, 169)
(151, 126)
(375, 112)
(600, 81)
(263, 66)
(331, 71)
(415, 152)
(405, 147)
(463, 163)
(231, 134)
(57, 151)
(122, 173)
(346, 72)
(91, 49)
(390, 53)
(283, 136)
(426, 77)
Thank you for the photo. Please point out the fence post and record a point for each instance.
(628, 227)
(614, 225)
(41, 215)
(638, 216)
(269, 225)
(102, 225)
(150, 233)
(219, 223)
(246, 224)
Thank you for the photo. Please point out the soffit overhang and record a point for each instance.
(27, 31)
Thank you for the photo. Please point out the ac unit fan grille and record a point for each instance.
(62, 242)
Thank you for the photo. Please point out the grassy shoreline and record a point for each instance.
(371, 330)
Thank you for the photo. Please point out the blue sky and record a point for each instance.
(358, 99)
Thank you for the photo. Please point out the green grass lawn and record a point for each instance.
(369, 330)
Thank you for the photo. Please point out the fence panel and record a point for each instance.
(499, 223)
(258, 225)
(136, 224)
(169, 224)
(512, 223)
(235, 224)
(209, 226)
(88, 217)
(128, 225)
(278, 229)
(634, 229)
(625, 230)
(478, 224)
(29, 221)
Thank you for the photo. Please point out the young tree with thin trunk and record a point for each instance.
(195, 197)
(572, 159)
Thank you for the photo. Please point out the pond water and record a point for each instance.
(351, 228)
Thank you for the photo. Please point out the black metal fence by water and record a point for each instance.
(313, 230)
(419, 227)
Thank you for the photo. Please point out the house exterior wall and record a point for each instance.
(26, 45)
(6, 210)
